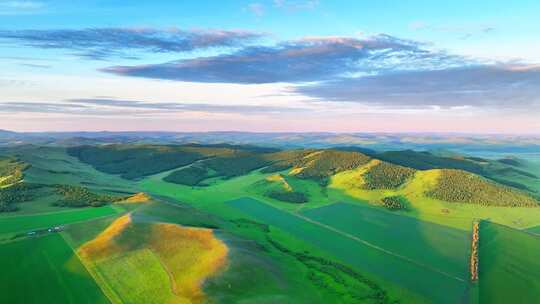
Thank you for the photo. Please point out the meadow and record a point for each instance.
(378, 262)
(45, 270)
(25, 223)
(440, 247)
(508, 265)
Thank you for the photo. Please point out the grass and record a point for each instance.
(52, 165)
(186, 255)
(508, 265)
(367, 259)
(457, 215)
(439, 246)
(138, 277)
(45, 270)
(535, 230)
(24, 223)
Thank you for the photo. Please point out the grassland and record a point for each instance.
(440, 247)
(423, 207)
(187, 256)
(364, 257)
(45, 270)
(508, 265)
(53, 166)
(25, 223)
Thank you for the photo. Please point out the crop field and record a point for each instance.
(375, 261)
(169, 262)
(438, 246)
(23, 223)
(508, 265)
(47, 272)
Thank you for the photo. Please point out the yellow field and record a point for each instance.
(188, 256)
(140, 197)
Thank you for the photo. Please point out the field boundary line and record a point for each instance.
(92, 270)
(357, 239)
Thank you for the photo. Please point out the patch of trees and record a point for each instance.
(76, 196)
(510, 170)
(319, 165)
(237, 164)
(288, 196)
(11, 170)
(137, 161)
(463, 187)
(17, 193)
(328, 274)
(287, 159)
(426, 160)
(387, 176)
(395, 202)
(510, 161)
(190, 176)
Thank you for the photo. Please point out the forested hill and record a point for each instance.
(194, 165)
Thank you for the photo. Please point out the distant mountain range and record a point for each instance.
(374, 141)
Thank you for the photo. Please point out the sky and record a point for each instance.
(270, 66)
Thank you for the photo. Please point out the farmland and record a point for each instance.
(366, 258)
(508, 265)
(24, 223)
(45, 270)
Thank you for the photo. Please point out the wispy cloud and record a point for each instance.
(20, 7)
(102, 43)
(256, 9)
(461, 32)
(298, 5)
(308, 59)
(109, 106)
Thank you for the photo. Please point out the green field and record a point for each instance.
(508, 265)
(535, 230)
(45, 270)
(137, 277)
(369, 259)
(24, 223)
(440, 247)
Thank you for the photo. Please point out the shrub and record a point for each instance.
(396, 202)
(288, 196)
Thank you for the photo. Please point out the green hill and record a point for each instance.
(464, 187)
(384, 175)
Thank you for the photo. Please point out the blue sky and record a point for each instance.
(344, 66)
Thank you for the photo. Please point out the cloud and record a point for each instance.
(102, 43)
(500, 87)
(37, 66)
(462, 32)
(296, 5)
(256, 9)
(20, 7)
(109, 106)
(304, 60)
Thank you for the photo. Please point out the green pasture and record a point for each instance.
(508, 265)
(52, 165)
(440, 247)
(25, 223)
(45, 270)
(388, 266)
